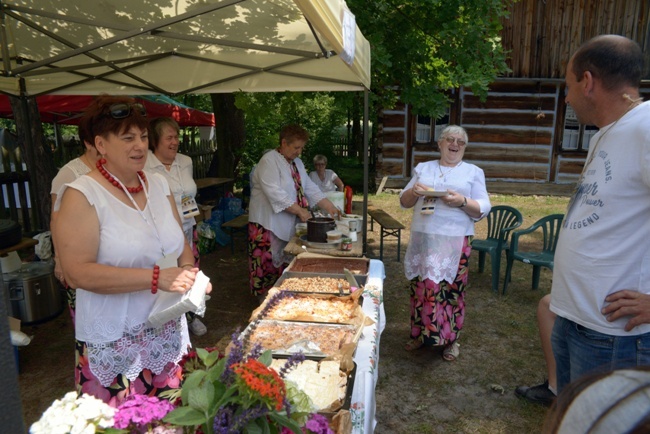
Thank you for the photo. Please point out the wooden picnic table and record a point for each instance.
(211, 182)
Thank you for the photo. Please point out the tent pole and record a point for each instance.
(365, 171)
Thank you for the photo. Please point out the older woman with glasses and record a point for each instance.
(327, 180)
(447, 196)
(164, 158)
(120, 244)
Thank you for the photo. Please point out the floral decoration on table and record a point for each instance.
(237, 393)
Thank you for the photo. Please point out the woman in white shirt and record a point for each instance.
(281, 196)
(68, 173)
(436, 260)
(121, 245)
(164, 158)
(325, 178)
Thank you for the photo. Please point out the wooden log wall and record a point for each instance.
(393, 136)
(511, 134)
(540, 36)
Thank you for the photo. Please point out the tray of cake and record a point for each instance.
(296, 306)
(312, 339)
(319, 283)
(315, 263)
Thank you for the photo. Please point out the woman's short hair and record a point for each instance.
(156, 127)
(453, 129)
(320, 158)
(293, 132)
(102, 118)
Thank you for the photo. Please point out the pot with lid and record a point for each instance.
(317, 228)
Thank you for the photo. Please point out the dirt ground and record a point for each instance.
(417, 391)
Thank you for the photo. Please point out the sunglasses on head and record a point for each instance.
(123, 110)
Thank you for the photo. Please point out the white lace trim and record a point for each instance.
(277, 251)
(434, 257)
(283, 204)
(139, 348)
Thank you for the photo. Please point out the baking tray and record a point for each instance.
(296, 338)
(311, 264)
(361, 280)
(347, 401)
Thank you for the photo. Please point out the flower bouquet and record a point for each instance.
(237, 393)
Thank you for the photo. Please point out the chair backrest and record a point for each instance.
(550, 225)
(502, 217)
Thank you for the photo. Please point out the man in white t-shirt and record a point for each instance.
(601, 278)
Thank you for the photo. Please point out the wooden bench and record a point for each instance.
(389, 227)
(238, 224)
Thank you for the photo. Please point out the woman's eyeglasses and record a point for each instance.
(123, 110)
(451, 140)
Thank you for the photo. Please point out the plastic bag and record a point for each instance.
(44, 247)
(231, 208)
(206, 237)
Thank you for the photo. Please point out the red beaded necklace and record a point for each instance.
(115, 182)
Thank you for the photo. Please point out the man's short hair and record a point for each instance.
(615, 60)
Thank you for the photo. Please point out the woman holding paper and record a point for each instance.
(164, 158)
(121, 245)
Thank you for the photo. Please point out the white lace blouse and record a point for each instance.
(115, 326)
(68, 173)
(436, 239)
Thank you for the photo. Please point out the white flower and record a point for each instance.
(74, 415)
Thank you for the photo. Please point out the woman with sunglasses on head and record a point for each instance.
(164, 158)
(447, 196)
(121, 244)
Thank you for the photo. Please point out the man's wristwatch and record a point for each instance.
(464, 202)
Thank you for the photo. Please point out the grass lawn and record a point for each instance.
(417, 392)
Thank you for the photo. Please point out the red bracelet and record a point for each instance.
(154, 279)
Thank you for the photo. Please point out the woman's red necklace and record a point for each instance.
(115, 182)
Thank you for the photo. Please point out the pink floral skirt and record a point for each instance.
(438, 309)
(262, 273)
(147, 383)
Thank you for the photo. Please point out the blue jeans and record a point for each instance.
(579, 351)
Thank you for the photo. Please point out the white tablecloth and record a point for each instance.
(366, 357)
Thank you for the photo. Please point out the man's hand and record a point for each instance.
(628, 303)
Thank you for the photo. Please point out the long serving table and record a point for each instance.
(363, 404)
(295, 246)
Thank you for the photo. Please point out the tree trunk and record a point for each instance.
(37, 157)
(230, 135)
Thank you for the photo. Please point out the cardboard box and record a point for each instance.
(14, 324)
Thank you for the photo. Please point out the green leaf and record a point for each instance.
(199, 397)
(266, 358)
(282, 420)
(215, 372)
(222, 397)
(191, 382)
(185, 416)
(212, 357)
(257, 426)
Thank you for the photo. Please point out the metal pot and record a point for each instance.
(317, 228)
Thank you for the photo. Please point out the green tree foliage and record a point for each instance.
(267, 113)
(424, 48)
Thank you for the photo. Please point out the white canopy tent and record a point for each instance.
(209, 46)
(175, 47)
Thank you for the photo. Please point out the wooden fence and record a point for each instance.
(15, 186)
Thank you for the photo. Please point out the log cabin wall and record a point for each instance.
(516, 134)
